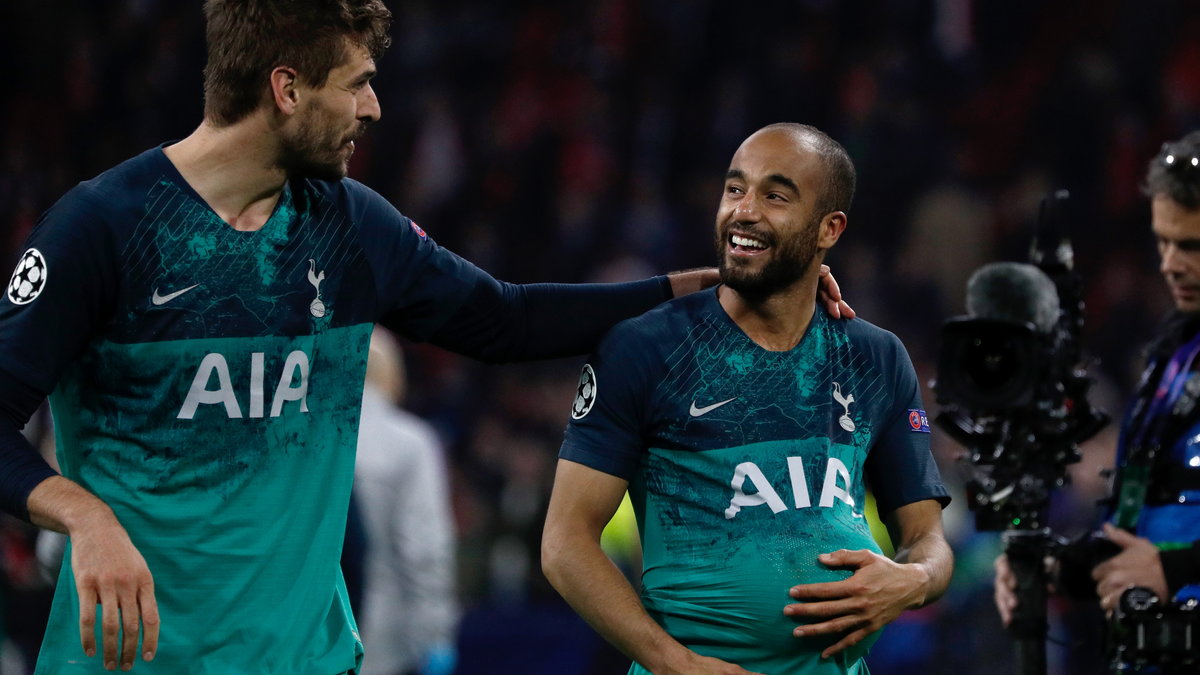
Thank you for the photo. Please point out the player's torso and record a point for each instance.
(219, 334)
(216, 412)
(754, 467)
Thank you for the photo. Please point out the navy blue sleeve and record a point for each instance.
(46, 323)
(900, 468)
(428, 293)
(607, 426)
(503, 322)
(21, 466)
(61, 290)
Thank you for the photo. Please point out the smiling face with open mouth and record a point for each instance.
(767, 230)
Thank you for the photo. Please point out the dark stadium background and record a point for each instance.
(573, 141)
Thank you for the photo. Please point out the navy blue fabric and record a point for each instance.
(21, 466)
(648, 375)
(111, 237)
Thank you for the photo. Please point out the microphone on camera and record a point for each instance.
(1009, 291)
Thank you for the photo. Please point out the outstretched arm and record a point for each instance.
(501, 322)
(880, 588)
(581, 505)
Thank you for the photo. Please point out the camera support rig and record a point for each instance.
(1014, 394)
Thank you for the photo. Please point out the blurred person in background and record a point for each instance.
(206, 518)
(1154, 522)
(410, 608)
(781, 398)
(202, 314)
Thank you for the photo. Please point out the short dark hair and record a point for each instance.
(1175, 172)
(247, 39)
(840, 176)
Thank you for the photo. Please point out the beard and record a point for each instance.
(316, 151)
(790, 260)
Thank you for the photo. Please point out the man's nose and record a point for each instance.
(748, 208)
(368, 107)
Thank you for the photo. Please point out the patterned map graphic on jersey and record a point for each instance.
(736, 503)
(252, 486)
(778, 393)
(237, 283)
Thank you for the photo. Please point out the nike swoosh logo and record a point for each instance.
(696, 412)
(164, 299)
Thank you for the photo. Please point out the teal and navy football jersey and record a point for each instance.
(746, 464)
(206, 384)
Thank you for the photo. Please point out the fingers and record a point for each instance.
(843, 609)
(845, 558)
(87, 619)
(830, 295)
(126, 609)
(1004, 590)
(845, 310)
(110, 624)
(149, 608)
(1110, 595)
(130, 627)
(846, 642)
(1118, 536)
(829, 284)
(821, 591)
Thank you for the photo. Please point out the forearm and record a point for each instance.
(598, 591)
(931, 554)
(64, 506)
(507, 322)
(22, 467)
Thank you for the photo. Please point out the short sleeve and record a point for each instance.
(606, 430)
(900, 467)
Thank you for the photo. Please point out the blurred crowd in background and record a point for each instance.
(585, 140)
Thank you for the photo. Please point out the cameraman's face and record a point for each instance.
(1178, 233)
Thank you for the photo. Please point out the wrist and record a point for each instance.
(60, 504)
(922, 580)
(667, 658)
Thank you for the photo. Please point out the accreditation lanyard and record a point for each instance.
(1149, 420)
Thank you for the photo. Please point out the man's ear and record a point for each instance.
(283, 89)
(831, 228)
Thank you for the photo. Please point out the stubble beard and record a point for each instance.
(789, 262)
(316, 152)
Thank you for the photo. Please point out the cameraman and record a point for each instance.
(1157, 488)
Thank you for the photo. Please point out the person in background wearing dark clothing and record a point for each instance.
(1154, 524)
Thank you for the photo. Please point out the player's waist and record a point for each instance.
(752, 632)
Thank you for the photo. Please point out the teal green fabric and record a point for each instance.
(722, 583)
(269, 490)
(234, 483)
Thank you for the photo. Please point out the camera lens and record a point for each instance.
(988, 364)
(991, 361)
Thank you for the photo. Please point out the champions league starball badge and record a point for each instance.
(28, 279)
(585, 395)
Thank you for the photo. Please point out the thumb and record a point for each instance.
(1118, 536)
